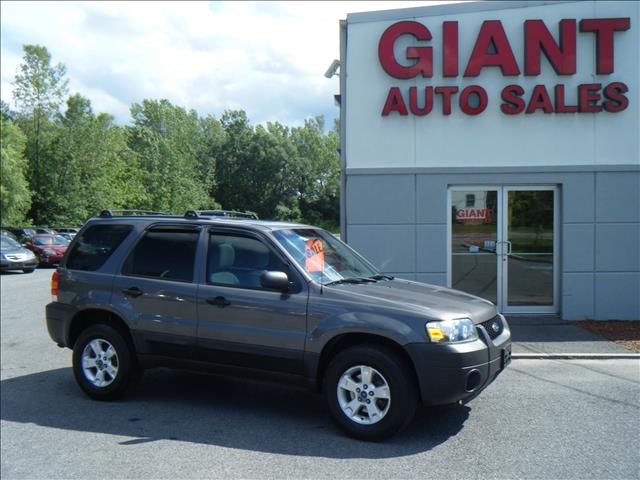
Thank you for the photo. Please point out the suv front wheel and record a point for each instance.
(370, 392)
(103, 362)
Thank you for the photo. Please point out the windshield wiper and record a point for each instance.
(382, 277)
(352, 280)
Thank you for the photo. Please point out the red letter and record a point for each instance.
(560, 106)
(511, 94)
(588, 93)
(492, 34)
(450, 49)
(604, 29)
(617, 101)
(413, 101)
(540, 99)
(538, 39)
(394, 102)
(446, 93)
(423, 55)
(464, 100)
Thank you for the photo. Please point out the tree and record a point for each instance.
(175, 150)
(256, 169)
(6, 112)
(39, 89)
(319, 187)
(15, 197)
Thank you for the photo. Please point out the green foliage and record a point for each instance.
(15, 197)
(77, 162)
(39, 89)
(175, 150)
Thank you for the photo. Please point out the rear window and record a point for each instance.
(94, 247)
(167, 254)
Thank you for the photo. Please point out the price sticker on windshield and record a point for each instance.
(314, 253)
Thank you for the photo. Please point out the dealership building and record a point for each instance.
(493, 147)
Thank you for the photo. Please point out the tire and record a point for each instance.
(28, 270)
(107, 376)
(388, 415)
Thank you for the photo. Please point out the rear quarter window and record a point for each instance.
(95, 245)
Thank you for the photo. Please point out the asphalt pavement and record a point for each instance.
(542, 419)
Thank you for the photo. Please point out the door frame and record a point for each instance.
(501, 234)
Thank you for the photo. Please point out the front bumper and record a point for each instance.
(449, 373)
(18, 265)
(50, 259)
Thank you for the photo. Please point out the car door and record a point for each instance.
(156, 288)
(241, 323)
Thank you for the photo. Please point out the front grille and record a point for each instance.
(16, 257)
(493, 327)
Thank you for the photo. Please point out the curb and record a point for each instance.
(575, 356)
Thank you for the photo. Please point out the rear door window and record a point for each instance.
(94, 247)
(165, 253)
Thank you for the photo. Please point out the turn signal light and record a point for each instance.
(54, 286)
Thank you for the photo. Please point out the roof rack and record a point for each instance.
(113, 213)
(220, 213)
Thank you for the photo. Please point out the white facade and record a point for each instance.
(490, 138)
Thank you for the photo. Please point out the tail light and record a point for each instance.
(54, 286)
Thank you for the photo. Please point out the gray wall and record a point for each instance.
(398, 219)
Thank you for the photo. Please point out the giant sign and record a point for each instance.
(493, 50)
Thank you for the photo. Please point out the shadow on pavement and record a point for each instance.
(208, 409)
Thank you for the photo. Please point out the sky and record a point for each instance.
(267, 58)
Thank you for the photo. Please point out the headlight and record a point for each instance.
(452, 331)
(48, 252)
(29, 254)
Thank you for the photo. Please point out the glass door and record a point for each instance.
(529, 260)
(503, 245)
(474, 239)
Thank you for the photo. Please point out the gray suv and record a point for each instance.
(279, 300)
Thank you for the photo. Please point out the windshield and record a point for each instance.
(323, 256)
(8, 242)
(50, 240)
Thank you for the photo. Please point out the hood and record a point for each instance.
(13, 250)
(55, 248)
(438, 303)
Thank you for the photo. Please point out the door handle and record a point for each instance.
(218, 301)
(132, 292)
(504, 245)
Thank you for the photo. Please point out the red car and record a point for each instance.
(48, 248)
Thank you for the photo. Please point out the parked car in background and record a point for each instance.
(48, 248)
(67, 233)
(67, 236)
(14, 256)
(48, 231)
(72, 231)
(23, 235)
(6, 233)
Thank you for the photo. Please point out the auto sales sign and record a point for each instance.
(492, 50)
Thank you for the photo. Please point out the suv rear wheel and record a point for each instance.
(103, 362)
(370, 392)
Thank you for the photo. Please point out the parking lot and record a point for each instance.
(541, 419)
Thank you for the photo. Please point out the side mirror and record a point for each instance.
(275, 280)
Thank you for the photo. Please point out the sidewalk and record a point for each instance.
(549, 335)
